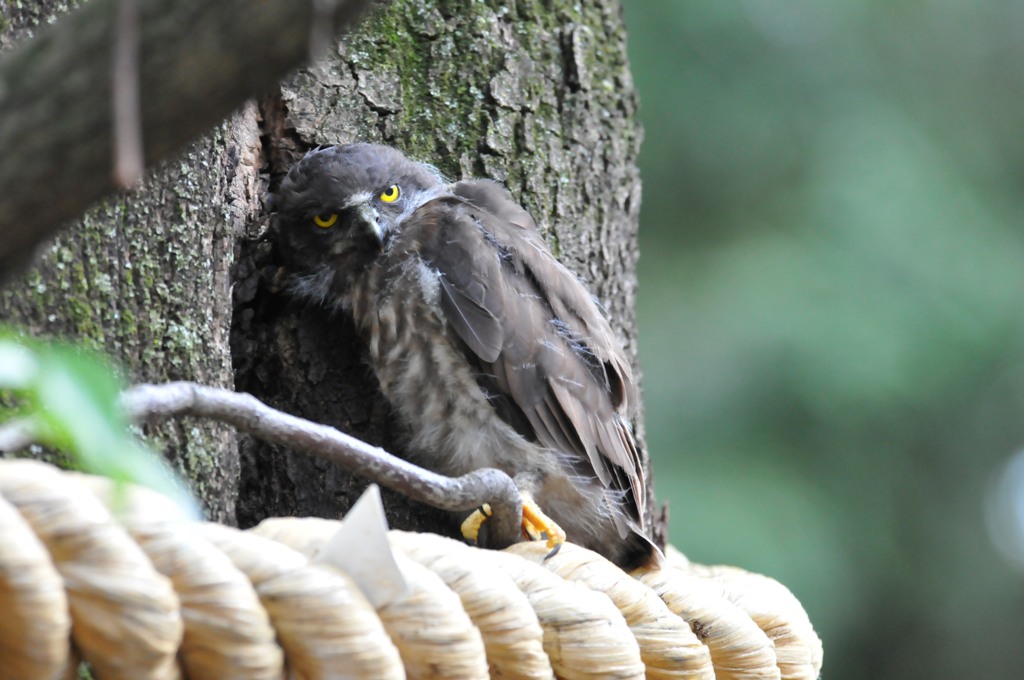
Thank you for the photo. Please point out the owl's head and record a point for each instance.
(339, 207)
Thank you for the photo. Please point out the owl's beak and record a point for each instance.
(366, 218)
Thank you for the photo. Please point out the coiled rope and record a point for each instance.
(112, 576)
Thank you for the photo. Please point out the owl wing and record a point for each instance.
(544, 352)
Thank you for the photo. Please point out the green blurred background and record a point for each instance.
(832, 279)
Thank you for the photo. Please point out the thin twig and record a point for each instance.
(320, 33)
(127, 119)
(248, 414)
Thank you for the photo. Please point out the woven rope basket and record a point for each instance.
(112, 576)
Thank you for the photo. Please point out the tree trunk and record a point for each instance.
(537, 94)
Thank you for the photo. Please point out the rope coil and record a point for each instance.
(150, 596)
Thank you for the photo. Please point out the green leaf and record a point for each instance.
(72, 398)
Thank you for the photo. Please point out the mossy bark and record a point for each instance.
(536, 93)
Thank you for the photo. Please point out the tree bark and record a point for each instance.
(536, 94)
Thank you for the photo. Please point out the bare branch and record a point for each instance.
(248, 414)
(128, 161)
(198, 60)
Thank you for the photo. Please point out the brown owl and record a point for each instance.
(489, 349)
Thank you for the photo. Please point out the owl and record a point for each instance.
(491, 352)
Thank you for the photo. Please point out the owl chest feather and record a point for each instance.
(426, 378)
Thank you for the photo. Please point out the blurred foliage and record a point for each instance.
(831, 288)
(68, 398)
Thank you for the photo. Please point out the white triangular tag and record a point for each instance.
(360, 548)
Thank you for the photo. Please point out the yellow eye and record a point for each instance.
(391, 194)
(325, 221)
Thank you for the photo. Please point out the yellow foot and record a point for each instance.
(539, 527)
(471, 525)
(536, 525)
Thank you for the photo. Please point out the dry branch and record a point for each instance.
(198, 61)
(249, 414)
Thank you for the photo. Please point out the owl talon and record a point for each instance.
(539, 527)
(536, 525)
(471, 525)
